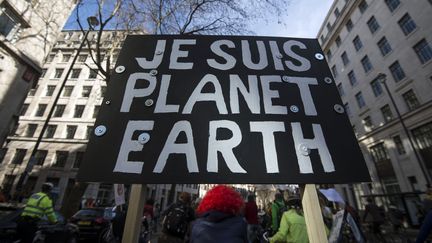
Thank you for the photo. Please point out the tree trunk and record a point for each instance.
(71, 204)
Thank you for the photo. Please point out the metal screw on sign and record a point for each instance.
(286, 78)
(148, 102)
(328, 80)
(159, 52)
(153, 72)
(338, 108)
(294, 108)
(304, 150)
(107, 102)
(279, 56)
(143, 138)
(319, 56)
(120, 69)
(100, 130)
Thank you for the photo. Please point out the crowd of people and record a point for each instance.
(222, 215)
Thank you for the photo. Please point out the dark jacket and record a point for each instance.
(251, 213)
(219, 227)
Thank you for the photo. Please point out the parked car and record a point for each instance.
(91, 222)
(52, 233)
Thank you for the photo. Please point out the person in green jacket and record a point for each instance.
(277, 208)
(292, 225)
(38, 205)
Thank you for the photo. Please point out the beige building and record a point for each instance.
(28, 30)
(64, 142)
(362, 39)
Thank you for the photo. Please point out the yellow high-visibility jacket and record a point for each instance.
(38, 205)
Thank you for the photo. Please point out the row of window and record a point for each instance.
(75, 74)
(67, 91)
(51, 130)
(59, 110)
(40, 158)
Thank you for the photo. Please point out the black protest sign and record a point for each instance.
(222, 109)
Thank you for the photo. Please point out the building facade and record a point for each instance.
(64, 142)
(362, 39)
(28, 30)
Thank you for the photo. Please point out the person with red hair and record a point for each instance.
(220, 218)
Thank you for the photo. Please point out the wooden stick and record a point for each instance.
(134, 214)
(313, 216)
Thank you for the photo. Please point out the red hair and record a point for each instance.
(223, 199)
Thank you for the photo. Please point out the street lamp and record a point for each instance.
(382, 78)
(92, 22)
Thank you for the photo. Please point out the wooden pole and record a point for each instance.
(313, 216)
(134, 214)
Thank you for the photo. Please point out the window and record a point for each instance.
(96, 111)
(50, 58)
(334, 71)
(40, 157)
(397, 71)
(423, 50)
(340, 89)
(88, 132)
(93, 73)
(41, 110)
(58, 72)
(50, 90)
(373, 24)
(360, 101)
(367, 65)
(379, 153)
(357, 43)
(349, 25)
(387, 113)
(329, 27)
(59, 110)
(399, 145)
(67, 91)
(82, 58)
(61, 157)
(66, 57)
(24, 109)
(423, 136)
(19, 156)
(338, 41)
(336, 12)
(86, 91)
(376, 87)
(78, 159)
(410, 100)
(407, 24)
(79, 109)
(347, 109)
(70, 131)
(32, 91)
(50, 131)
(384, 46)
(367, 122)
(31, 129)
(329, 55)
(392, 4)
(43, 73)
(9, 22)
(352, 78)
(363, 6)
(345, 59)
(75, 73)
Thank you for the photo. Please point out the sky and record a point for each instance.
(304, 19)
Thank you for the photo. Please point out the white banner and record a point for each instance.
(119, 194)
